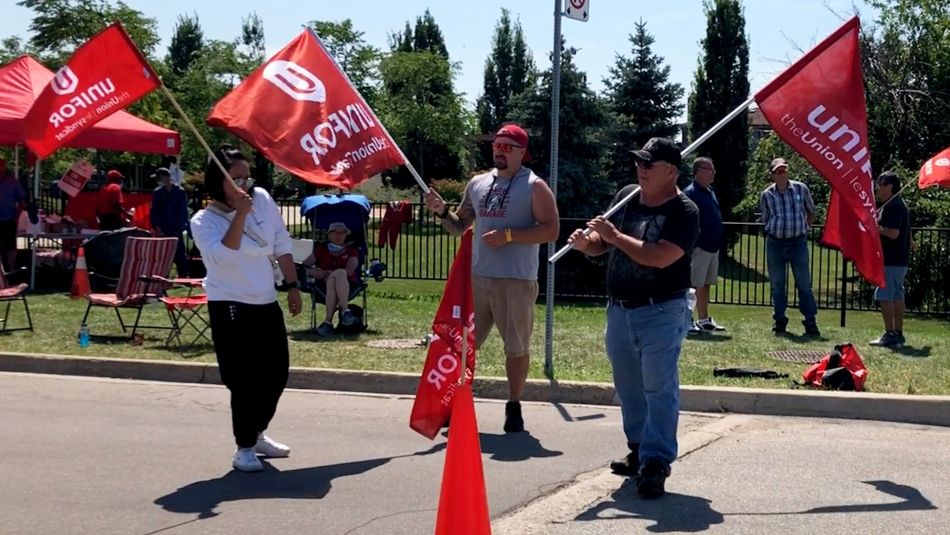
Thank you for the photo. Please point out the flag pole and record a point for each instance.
(194, 130)
(412, 170)
(464, 369)
(692, 146)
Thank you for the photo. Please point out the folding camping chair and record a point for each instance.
(145, 266)
(353, 210)
(186, 312)
(8, 295)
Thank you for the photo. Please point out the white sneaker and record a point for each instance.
(270, 447)
(245, 460)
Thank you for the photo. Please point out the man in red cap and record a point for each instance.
(110, 205)
(514, 211)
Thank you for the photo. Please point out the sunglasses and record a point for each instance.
(504, 148)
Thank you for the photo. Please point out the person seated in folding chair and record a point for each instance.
(333, 267)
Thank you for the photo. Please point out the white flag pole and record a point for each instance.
(692, 146)
(408, 165)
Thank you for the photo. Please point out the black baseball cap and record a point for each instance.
(660, 149)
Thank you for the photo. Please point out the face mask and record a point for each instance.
(334, 248)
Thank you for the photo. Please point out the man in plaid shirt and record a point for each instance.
(787, 212)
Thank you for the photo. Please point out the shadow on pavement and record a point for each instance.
(671, 513)
(202, 497)
(911, 500)
(513, 447)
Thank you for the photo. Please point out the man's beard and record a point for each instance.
(501, 163)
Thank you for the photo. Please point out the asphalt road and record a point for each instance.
(84, 456)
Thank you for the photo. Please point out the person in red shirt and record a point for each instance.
(110, 205)
(333, 265)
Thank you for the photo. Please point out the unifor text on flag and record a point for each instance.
(817, 106)
(104, 75)
(301, 111)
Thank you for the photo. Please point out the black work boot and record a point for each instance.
(779, 326)
(628, 466)
(651, 483)
(513, 420)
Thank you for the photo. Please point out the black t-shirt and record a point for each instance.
(895, 215)
(676, 221)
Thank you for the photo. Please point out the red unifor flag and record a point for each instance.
(817, 106)
(104, 75)
(454, 322)
(301, 111)
(936, 171)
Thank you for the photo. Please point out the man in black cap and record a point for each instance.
(169, 214)
(650, 241)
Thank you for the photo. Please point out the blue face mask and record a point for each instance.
(334, 248)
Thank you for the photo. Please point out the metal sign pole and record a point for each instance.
(552, 182)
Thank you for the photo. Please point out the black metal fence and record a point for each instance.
(422, 250)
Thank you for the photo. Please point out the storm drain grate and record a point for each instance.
(806, 356)
(396, 343)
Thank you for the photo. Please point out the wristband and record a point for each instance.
(508, 235)
(295, 284)
(444, 214)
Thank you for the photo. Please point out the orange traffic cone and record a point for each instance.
(463, 502)
(80, 277)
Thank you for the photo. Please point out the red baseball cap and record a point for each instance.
(114, 175)
(517, 134)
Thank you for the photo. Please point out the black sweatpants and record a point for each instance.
(254, 359)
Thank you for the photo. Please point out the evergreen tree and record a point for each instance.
(583, 189)
(428, 36)
(642, 101)
(187, 43)
(720, 85)
(509, 70)
(252, 38)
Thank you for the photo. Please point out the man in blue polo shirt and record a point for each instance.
(705, 260)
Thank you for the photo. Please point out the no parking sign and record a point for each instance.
(577, 9)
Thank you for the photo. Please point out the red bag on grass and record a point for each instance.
(842, 369)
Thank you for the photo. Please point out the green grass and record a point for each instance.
(403, 310)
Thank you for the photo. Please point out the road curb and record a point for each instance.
(929, 410)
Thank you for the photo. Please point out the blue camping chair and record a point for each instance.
(353, 210)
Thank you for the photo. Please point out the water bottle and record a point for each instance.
(84, 335)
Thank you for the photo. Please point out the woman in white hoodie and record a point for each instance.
(240, 234)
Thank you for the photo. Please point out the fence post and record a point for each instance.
(844, 290)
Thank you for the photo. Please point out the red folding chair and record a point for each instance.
(145, 266)
(186, 312)
(8, 295)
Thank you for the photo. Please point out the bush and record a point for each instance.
(450, 190)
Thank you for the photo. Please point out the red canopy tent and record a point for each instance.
(23, 79)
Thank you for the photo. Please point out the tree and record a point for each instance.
(720, 85)
(61, 26)
(642, 101)
(427, 121)
(186, 44)
(419, 104)
(509, 71)
(906, 61)
(583, 189)
(252, 41)
(358, 60)
(11, 48)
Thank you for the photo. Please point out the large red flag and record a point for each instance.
(817, 106)
(104, 75)
(301, 111)
(454, 322)
(463, 501)
(936, 171)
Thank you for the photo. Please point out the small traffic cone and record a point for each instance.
(80, 277)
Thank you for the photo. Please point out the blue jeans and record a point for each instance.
(780, 253)
(643, 345)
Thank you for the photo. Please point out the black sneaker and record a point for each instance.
(629, 466)
(779, 327)
(811, 329)
(513, 420)
(651, 483)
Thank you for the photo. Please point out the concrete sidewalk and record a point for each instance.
(769, 475)
(930, 410)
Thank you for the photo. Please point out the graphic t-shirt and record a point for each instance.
(676, 221)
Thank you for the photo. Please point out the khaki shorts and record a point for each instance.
(705, 267)
(508, 304)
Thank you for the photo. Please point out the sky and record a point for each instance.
(778, 30)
